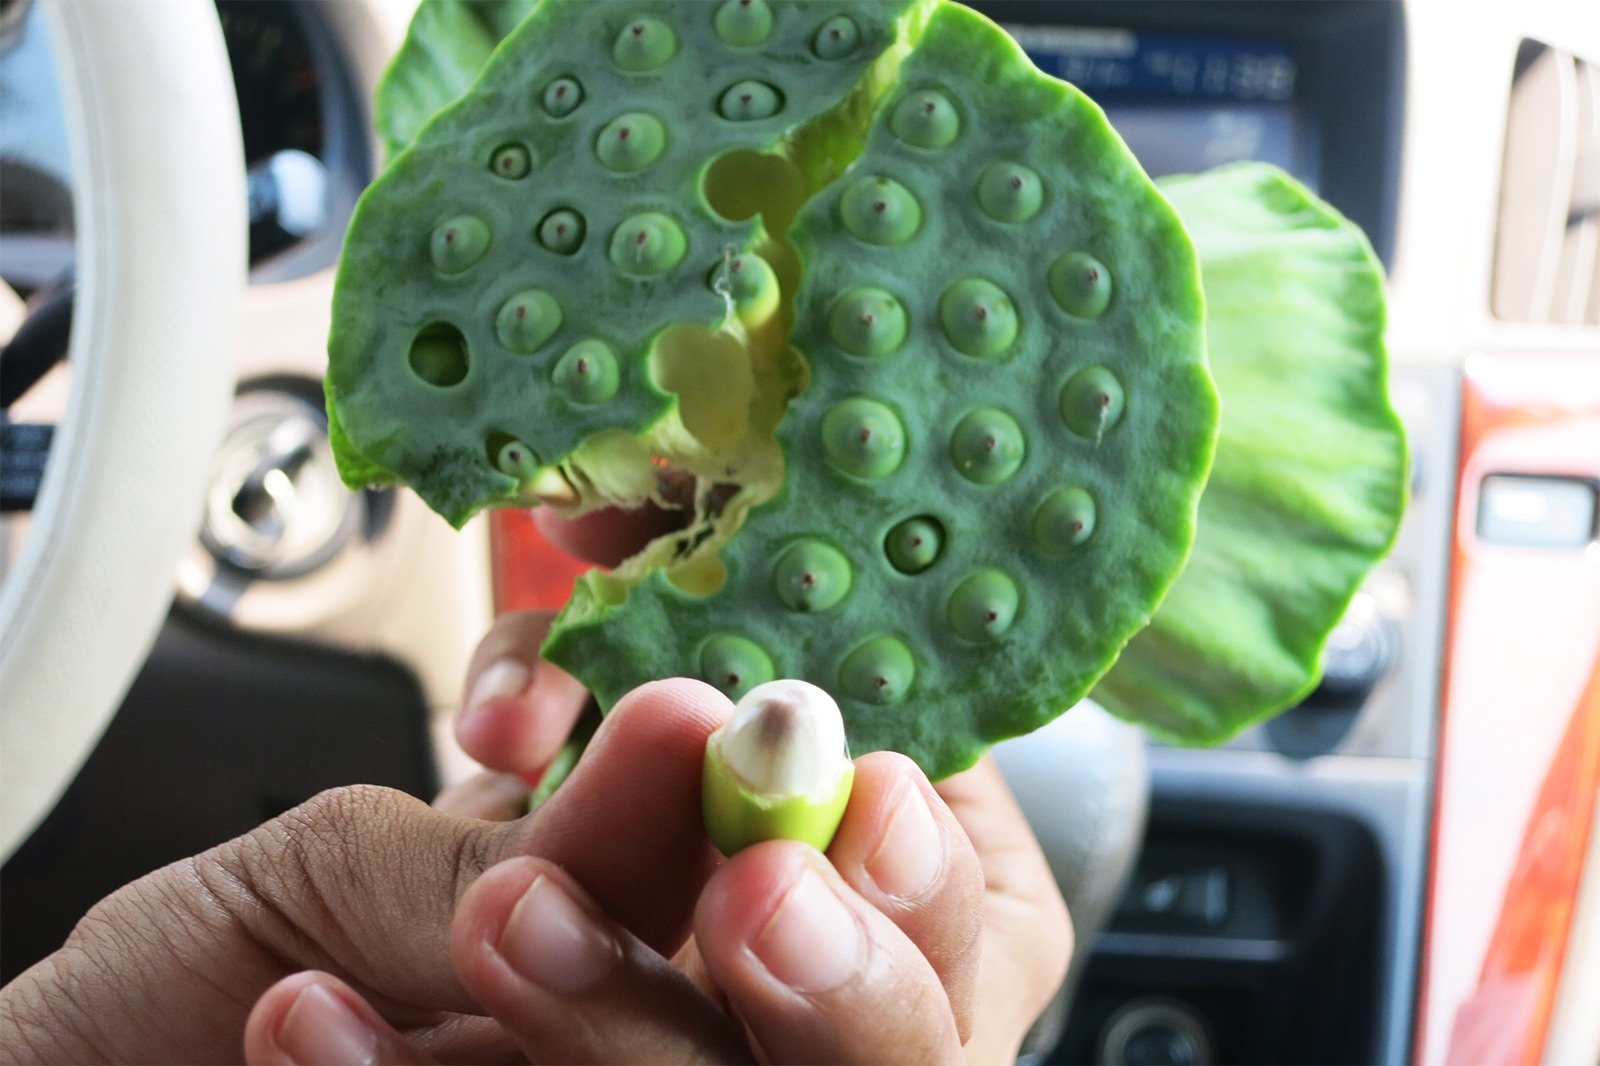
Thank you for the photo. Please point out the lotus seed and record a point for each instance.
(836, 38)
(562, 231)
(1092, 402)
(925, 118)
(978, 318)
(439, 355)
(1010, 192)
(511, 161)
(527, 320)
(734, 664)
(987, 446)
(748, 280)
(811, 575)
(983, 606)
(562, 97)
(648, 243)
(746, 101)
(915, 544)
(1081, 285)
(517, 460)
(743, 23)
(880, 211)
(631, 142)
(878, 671)
(864, 438)
(458, 243)
(867, 321)
(1064, 520)
(644, 44)
(588, 373)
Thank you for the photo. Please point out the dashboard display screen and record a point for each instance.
(1183, 102)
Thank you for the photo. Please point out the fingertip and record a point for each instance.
(313, 1017)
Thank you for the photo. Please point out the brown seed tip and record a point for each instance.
(522, 311)
(624, 133)
(583, 366)
(638, 29)
(880, 206)
(866, 435)
(929, 107)
(808, 579)
(1076, 527)
(990, 443)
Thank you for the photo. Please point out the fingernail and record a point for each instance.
(911, 854)
(320, 1028)
(812, 943)
(552, 942)
(501, 678)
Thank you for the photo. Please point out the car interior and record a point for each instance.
(1359, 879)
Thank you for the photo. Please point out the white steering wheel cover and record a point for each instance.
(158, 180)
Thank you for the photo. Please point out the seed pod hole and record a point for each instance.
(562, 231)
(439, 355)
(915, 544)
(867, 321)
(510, 456)
(1092, 402)
(734, 664)
(647, 243)
(978, 318)
(836, 38)
(1010, 192)
(457, 243)
(644, 44)
(748, 282)
(631, 142)
(527, 320)
(983, 606)
(747, 101)
(987, 446)
(811, 575)
(562, 97)
(925, 118)
(880, 670)
(1081, 285)
(588, 373)
(880, 211)
(743, 23)
(1065, 519)
(864, 438)
(511, 161)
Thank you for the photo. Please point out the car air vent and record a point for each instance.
(1547, 254)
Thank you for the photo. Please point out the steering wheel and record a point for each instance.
(159, 202)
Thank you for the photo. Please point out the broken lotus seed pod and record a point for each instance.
(778, 769)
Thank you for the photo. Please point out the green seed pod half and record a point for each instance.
(777, 770)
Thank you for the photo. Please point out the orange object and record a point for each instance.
(530, 573)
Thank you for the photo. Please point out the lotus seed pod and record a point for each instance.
(527, 320)
(880, 211)
(1081, 285)
(458, 243)
(831, 417)
(1010, 192)
(644, 44)
(978, 318)
(987, 446)
(880, 671)
(562, 231)
(648, 244)
(864, 438)
(867, 321)
(588, 373)
(1091, 402)
(778, 769)
(562, 97)
(511, 161)
(631, 141)
(811, 575)
(914, 545)
(744, 23)
(746, 101)
(1064, 520)
(983, 606)
(734, 664)
(925, 118)
(836, 38)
